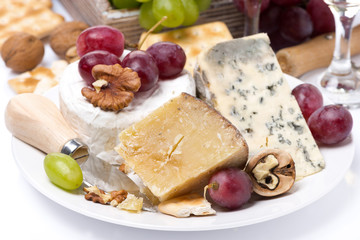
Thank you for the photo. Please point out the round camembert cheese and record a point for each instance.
(100, 129)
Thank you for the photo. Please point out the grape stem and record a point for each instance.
(213, 185)
(151, 30)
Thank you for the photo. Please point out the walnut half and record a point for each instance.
(93, 193)
(117, 88)
(272, 172)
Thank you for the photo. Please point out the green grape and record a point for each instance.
(143, 1)
(191, 13)
(173, 9)
(63, 171)
(120, 4)
(203, 4)
(146, 17)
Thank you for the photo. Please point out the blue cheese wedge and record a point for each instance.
(242, 79)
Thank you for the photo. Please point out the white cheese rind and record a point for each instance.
(100, 129)
(242, 79)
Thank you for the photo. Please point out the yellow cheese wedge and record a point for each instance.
(177, 147)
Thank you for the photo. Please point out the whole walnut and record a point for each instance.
(22, 52)
(63, 39)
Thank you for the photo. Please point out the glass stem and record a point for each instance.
(252, 15)
(341, 62)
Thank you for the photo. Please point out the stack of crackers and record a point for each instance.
(31, 16)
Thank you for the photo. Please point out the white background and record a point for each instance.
(27, 214)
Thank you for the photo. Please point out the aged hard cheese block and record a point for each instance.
(175, 148)
(242, 79)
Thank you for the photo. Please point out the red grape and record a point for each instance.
(269, 19)
(145, 66)
(230, 188)
(170, 58)
(100, 38)
(330, 124)
(321, 16)
(277, 41)
(240, 5)
(286, 2)
(295, 24)
(308, 97)
(89, 60)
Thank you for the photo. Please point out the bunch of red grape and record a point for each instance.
(104, 45)
(290, 22)
(178, 12)
(330, 124)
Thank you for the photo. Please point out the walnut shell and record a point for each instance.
(65, 36)
(284, 172)
(22, 52)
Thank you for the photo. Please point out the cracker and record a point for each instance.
(24, 83)
(34, 3)
(192, 39)
(46, 77)
(186, 205)
(32, 16)
(39, 80)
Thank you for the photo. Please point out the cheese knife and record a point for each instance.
(37, 121)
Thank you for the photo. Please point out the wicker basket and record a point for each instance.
(98, 12)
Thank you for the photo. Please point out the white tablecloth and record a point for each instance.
(27, 214)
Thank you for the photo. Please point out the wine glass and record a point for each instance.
(341, 82)
(252, 15)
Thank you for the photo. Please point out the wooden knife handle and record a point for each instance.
(313, 54)
(37, 121)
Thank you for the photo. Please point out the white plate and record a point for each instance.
(338, 160)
